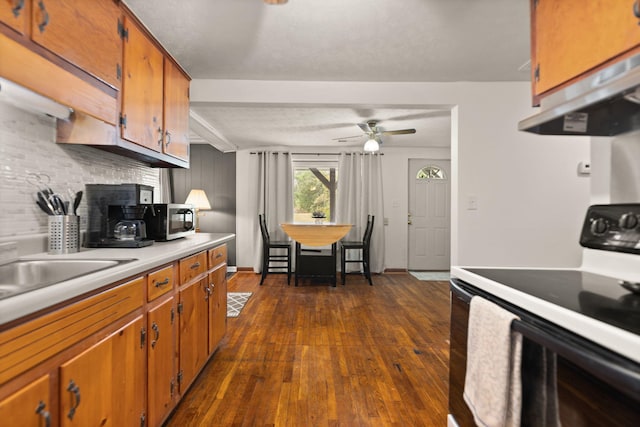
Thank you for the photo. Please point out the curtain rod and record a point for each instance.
(318, 154)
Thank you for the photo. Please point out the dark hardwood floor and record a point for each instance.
(314, 355)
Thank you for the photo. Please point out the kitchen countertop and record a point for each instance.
(611, 337)
(147, 258)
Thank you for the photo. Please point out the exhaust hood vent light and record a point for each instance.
(25, 99)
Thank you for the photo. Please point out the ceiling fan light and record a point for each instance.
(371, 146)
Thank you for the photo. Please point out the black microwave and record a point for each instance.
(169, 221)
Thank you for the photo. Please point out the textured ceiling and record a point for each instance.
(337, 40)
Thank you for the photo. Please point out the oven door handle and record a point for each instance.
(610, 367)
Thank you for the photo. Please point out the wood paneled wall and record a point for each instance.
(215, 173)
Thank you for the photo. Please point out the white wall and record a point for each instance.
(531, 201)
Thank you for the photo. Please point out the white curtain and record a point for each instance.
(164, 190)
(359, 195)
(274, 197)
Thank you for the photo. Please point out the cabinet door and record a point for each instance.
(194, 313)
(176, 111)
(85, 33)
(161, 384)
(142, 89)
(217, 306)
(28, 407)
(571, 37)
(104, 385)
(13, 14)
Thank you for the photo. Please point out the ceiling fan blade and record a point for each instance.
(398, 132)
(344, 138)
(365, 127)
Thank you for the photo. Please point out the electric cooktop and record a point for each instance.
(593, 295)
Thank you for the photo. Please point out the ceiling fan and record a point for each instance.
(374, 135)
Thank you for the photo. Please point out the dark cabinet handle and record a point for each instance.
(194, 266)
(168, 134)
(156, 330)
(44, 414)
(164, 282)
(19, 5)
(45, 16)
(75, 390)
(636, 9)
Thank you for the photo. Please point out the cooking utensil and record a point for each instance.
(45, 202)
(44, 207)
(76, 202)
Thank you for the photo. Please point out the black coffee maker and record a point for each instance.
(116, 213)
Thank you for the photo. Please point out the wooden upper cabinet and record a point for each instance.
(14, 14)
(573, 37)
(176, 111)
(28, 407)
(142, 89)
(85, 33)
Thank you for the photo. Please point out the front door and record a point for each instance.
(429, 214)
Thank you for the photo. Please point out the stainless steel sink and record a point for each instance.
(27, 275)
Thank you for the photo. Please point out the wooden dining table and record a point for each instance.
(316, 262)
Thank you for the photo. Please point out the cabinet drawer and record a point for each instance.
(192, 266)
(26, 345)
(217, 256)
(160, 282)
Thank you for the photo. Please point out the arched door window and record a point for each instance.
(430, 172)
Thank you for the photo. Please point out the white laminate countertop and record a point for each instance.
(611, 337)
(145, 259)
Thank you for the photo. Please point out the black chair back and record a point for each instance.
(263, 229)
(366, 240)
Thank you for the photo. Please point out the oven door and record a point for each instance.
(595, 385)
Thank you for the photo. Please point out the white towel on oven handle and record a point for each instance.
(492, 386)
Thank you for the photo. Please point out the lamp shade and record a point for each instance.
(198, 198)
(371, 145)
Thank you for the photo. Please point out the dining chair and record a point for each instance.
(276, 258)
(363, 247)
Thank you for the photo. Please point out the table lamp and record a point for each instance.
(198, 199)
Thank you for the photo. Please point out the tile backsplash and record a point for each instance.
(27, 146)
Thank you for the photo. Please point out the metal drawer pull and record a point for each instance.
(164, 282)
(45, 16)
(155, 329)
(194, 266)
(219, 255)
(19, 5)
(73, 388)
(44, 414)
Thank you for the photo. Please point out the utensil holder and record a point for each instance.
(64, 234)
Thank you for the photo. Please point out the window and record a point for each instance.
(430, 172)
(314, 191)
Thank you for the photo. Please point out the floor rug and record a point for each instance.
(236, 302)
(431, 275)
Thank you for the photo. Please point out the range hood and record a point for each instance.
(25, 99)
(603, 104)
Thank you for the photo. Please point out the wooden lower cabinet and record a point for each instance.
(28, 407)
(217, 306)
(104, 385)
(193, 311)
(161, 362)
